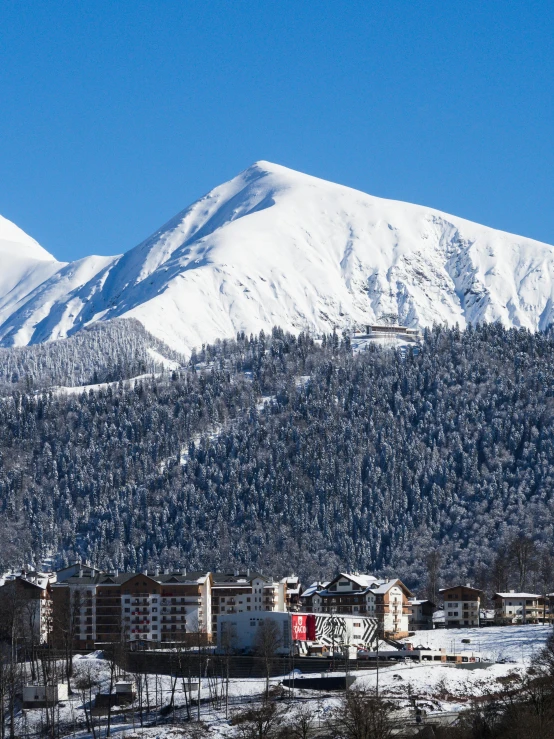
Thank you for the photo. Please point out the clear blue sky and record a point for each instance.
(116, 115)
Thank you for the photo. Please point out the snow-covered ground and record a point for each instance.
(438, 688)
(515, 643)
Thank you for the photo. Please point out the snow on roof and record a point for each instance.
(384, 586)
(419, 601)
(364, 581)
(314, 587)
(455, 587)
(516, 595)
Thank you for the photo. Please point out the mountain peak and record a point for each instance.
(14, 241)
(274, 246)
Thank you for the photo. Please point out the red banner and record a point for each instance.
(299, 627)
(303, 627)
(310, 628)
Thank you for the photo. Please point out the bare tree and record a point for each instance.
(86, 683)
(361, 715)
(302, 724)
(523, 552)
(228, 644)
(65, 628)
(501, 569)
(257, 723)
(266, 643)
(433, 564)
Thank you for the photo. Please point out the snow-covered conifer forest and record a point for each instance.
(280, 452)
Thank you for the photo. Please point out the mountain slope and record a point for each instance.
(274, 246)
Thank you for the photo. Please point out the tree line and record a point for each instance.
(284, 452)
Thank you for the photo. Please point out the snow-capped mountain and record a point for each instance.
(276, 247)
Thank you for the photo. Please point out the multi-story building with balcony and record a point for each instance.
(93, 607)
(523, 608)
(387, 600)
(422, 614)
(129, 607)
(74, 606)
(292, 593)
(26, 607)
(185, 605)
(240, 592)
(462, 605)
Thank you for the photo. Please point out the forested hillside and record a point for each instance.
(283, 453)
(102, 352)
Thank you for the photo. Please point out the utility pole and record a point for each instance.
(377, 681)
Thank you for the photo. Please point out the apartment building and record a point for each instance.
(154, 607)
(355, 594)
(462, 605)
(292, 593)
(523, 608)
(421, 617)
(26, 606)
(74, 606)
(242, 592)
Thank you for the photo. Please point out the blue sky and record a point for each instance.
(116, 115)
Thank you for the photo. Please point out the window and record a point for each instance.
(127, 600)
(127, 610)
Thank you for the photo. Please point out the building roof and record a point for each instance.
(457, 587)
(363, 581)
(314, 588)
(516, 595)
(384, 586)
(238, 577)
(419, 601)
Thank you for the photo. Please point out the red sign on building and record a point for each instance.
(303, 627)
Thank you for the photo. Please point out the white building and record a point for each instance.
(238, 632)
(355, 594)
(245, 593)
(40, 696)
(513, 607)
(462, 605)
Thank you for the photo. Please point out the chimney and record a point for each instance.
(468, 585)
(145, 572)
(184, 571)
(80, 572)
(157, 571)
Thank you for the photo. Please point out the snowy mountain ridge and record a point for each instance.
(276, 247)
